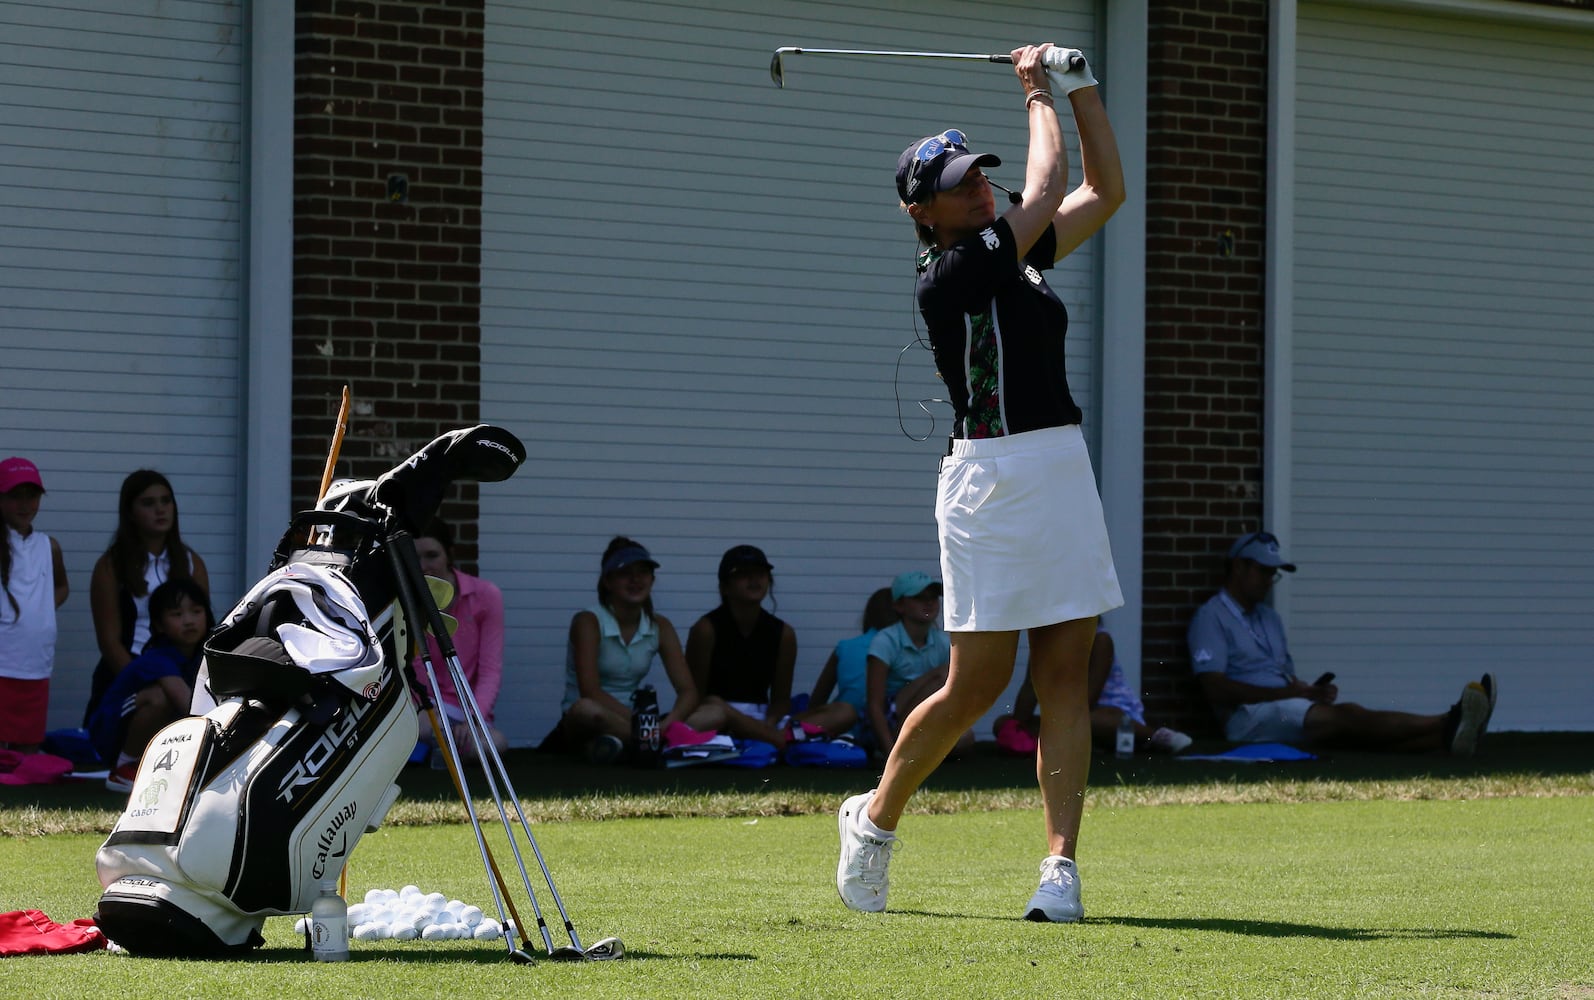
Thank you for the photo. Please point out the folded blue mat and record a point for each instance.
(1256, 753)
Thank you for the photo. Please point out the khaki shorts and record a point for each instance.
(1269, 722)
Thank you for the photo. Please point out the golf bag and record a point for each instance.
(303, 721)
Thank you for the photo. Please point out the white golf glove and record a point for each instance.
(1068, 69)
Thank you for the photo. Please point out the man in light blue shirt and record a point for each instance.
(1241, 656)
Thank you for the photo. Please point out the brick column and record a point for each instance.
(1206, 183)
(387, 234)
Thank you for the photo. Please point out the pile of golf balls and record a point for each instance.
(409, 913)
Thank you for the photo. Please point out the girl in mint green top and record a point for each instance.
(612, 647)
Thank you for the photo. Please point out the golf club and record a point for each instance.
(778, 74)
(408, 568)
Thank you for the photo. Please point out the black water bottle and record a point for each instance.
(645, 726)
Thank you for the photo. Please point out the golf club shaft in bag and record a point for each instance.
(422, 608)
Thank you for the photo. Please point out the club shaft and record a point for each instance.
(405, 572)
(408, 568)
(982, 57)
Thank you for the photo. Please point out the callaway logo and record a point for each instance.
(992, 241)
(331, 833)
(1033, 275)
(306, 770)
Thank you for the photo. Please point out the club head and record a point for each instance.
(569, 953)
(776, 71)
(442, 591)
(520, 957)
(607, 950)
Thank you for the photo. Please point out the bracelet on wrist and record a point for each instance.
(1037, 95)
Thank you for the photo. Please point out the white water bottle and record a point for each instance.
(329, 923)
(1126, 735)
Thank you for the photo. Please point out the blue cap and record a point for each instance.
(1262, 548)
(629, 556)
(912, 584)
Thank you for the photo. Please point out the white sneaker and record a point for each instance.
(1170, 740)
(1057, 899)
(861, 875)
(1472, 717)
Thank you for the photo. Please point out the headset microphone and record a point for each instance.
(1013, 197)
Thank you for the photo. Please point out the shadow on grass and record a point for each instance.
(1284, 929)
(1255, 928)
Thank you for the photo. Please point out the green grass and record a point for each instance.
(1355, 877)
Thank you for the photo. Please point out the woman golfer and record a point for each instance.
(1023, 542)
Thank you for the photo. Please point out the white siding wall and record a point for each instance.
(695, 290)
(119, 259)
(1443, 375)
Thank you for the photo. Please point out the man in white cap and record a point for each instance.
(1239, 653)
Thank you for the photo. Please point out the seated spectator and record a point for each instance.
(908, 661)
(612, 648)
(1111, 698)
(742, 658)
(1242, 659)
(847, 671)
(155, 688)
(146, 551)
(478, 606)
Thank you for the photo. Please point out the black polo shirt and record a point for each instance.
(997, 331)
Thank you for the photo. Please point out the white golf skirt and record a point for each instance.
(1023, 540)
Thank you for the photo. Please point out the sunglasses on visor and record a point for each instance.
(930, 149)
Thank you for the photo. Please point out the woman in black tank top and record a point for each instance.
(742, 658)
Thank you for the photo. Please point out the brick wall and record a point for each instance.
(1206, 185)
(386, 289)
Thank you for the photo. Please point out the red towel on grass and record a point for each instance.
(30, 932)
(32, 768)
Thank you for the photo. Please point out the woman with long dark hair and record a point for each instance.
(146, 551)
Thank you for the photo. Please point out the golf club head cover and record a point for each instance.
(1068, 69)
(414, 488)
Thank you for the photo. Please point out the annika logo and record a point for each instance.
(333, 832)
(308, 768)
(992, 241)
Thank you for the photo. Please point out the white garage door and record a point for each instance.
(119, 257)
(1443, 371)
(695, 290)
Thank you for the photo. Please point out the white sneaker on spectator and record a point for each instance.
(1170, 740)
(861, 874)
(1057, 899)
(1471, 717)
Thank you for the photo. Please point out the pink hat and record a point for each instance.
(16, 472)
